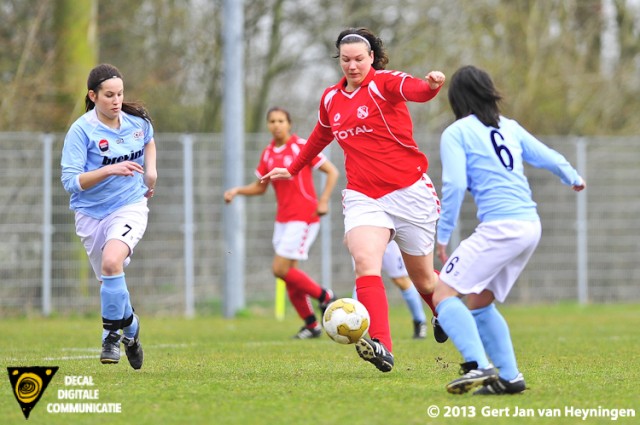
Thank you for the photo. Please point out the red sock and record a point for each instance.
(428, 298)
(301, 281)
(371, 293)
(300, 302)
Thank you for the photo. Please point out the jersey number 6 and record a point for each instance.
(502, 151)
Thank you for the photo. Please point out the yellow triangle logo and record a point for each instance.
(29, 383)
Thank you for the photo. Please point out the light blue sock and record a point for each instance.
(414, 302)
(354, 295)
(114, 298)
(130, 331)
(496, 338)
(457, 321)
(105, 333)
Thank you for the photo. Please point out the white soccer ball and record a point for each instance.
(346, 320)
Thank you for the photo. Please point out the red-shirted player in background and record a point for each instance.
(297, 218)
(388, 194)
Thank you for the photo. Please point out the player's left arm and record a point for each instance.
(413, 89)
(150, 170)
(540, 155)
(332, 173)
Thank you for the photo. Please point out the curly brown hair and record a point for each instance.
(353, 35)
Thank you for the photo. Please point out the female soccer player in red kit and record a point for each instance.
(297, 218)
(388, 194)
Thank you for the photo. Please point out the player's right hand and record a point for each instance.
(441, 252)
(125, 168)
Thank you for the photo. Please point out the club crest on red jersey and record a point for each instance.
(363, 112)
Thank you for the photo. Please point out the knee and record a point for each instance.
(280, 270)
(367, 266)
(112, 266)
(442, 292)
(438, 297)
(426, 284)
(403, 283)
(481, 300)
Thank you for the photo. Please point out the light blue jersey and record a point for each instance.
(89, 145)
(489, 162)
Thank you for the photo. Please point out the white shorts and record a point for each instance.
(392, 263)
(293, 240)
(410, 213)
(126, 224)
(492, 257)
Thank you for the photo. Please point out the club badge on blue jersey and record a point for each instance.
(103, 145)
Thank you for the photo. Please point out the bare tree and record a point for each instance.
(21, 82)
(546, 56)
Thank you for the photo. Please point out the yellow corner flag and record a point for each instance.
(281, 296)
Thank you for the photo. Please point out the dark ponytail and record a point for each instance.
(471, 91)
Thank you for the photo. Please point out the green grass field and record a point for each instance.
(212, 370)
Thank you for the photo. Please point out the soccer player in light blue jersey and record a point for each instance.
(109, 168)
(484, 152)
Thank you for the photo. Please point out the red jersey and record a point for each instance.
(296, 196)
(373, 126)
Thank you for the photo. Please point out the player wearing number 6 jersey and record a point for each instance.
(109, 168)
(484, 152)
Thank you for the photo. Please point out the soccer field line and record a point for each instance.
(92, 353)
(271, 343)
(94, 350)
(57, 359)
(97, 351)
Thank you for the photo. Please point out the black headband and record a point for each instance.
(102, 80)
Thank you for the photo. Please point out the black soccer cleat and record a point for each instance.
(419, 330)
(133, 348)
(502, 386)
(376, 353)
(110, 349)
(328, 299)
(308, 333)
(438, 333)
(472, 377)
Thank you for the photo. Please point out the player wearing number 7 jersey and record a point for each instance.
(484, 152)
(109, 168)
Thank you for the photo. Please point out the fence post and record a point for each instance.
(581, 219)
(47, 227)
(189, 227)
(233, 218)
(325, 231)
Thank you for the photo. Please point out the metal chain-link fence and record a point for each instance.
(594, 239)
